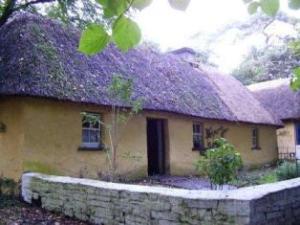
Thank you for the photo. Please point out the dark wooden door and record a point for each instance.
(156, 146)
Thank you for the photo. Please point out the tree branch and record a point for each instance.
(8, 10)
(24, 6)
(10, 7)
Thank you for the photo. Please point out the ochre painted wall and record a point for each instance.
(286, 138)
(52, 135)
(12, 140)
(182, 158)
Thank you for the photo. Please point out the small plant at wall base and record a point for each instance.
(8, 187)
(220, 163)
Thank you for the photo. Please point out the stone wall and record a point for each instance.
(121, 204)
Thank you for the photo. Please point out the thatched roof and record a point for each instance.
(39, 57)
(278, 98)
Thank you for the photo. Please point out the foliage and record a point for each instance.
(121, 90)
(271, 8)
(268, 178)
(262, 175)
(7, 186)
(120, 29)
(220, 163)
(104, 20)
(266, 64)
(93, 39)
(287, 170)
(126, 33)
(79, 13)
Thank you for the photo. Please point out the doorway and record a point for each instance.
(156, 145)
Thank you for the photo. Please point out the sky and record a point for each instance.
(172, 29)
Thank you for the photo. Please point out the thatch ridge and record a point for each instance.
(39, 57)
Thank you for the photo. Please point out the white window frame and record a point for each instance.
(91, 144)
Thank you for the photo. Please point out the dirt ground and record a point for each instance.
(14, 212)
(190, 182)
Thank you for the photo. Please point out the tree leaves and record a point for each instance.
(294, 4)
(93, 39)
(295, 82)
(126, 33)
(252, 7)
(179, 4)
(270, 7)
(141, 4)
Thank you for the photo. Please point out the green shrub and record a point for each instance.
(220, 163)
(270, 177)
(8, 187)
(287, 170)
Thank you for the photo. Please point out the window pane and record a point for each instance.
(85, 136)
(198, 142)
(91, 129)
(255, 143)
(95, 136)
(196, 128)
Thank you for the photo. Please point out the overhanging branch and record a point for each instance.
(27, 4)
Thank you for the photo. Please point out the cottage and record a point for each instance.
(279, 99)
(46, 84)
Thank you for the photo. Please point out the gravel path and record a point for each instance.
(190, 183)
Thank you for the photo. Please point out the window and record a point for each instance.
(91, 130)
(198, 140)
(255, 138)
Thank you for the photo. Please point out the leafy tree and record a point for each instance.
(271, 62)
(108, 20)
(271, 8)
(79, 13)
(220, 163)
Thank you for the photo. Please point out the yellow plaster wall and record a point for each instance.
(11, 140)
(286, 138)
(52, 134)
(182, 158)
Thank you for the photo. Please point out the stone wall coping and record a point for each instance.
(247, 193)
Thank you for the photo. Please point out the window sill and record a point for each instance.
(85, 148)
(255, 148)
